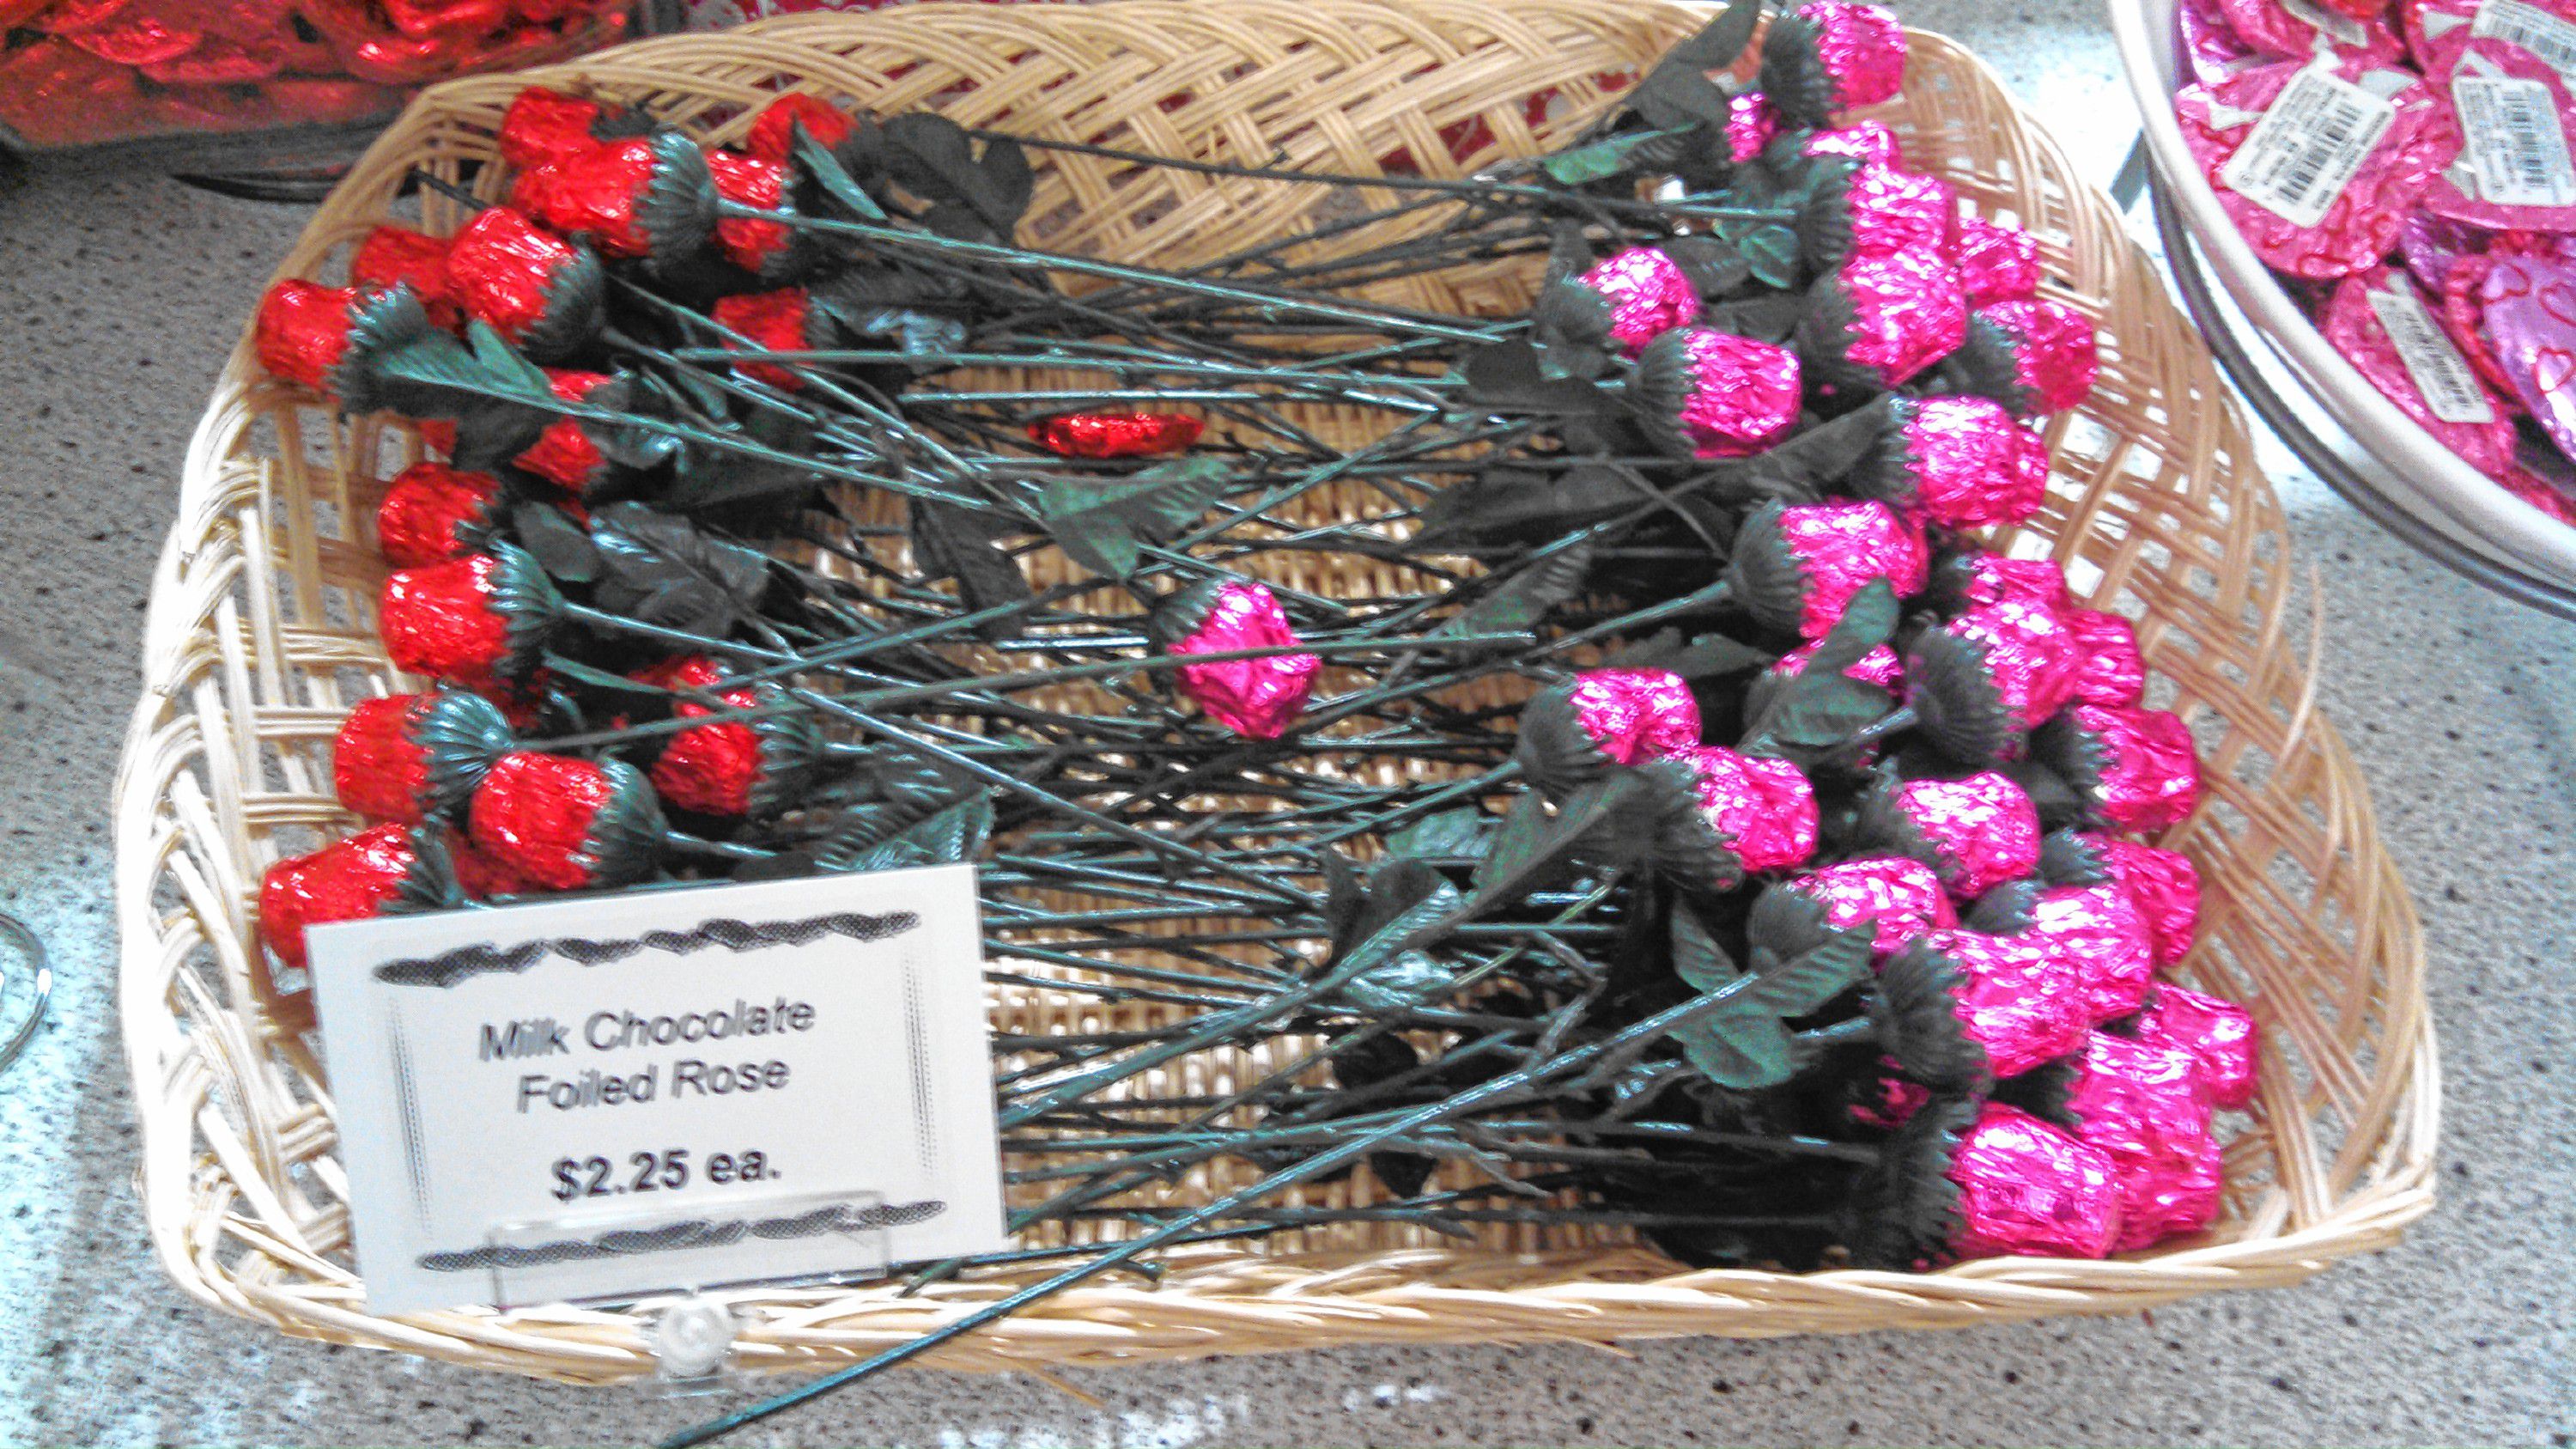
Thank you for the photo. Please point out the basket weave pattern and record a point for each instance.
(260, 637)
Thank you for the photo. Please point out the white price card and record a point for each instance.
(683, 1089)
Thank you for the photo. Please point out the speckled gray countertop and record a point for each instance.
(119, 293)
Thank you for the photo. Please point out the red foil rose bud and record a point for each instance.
(327, 337)
(781, 321)
(1832, 55)
(1728, 396)
(1797, 567)
(2112, 671)
(372, 872)
(544, 294)
(1981, 682)
(564, 823)
(1115, 435)
(1576, 732)
(730, 767)
(2027, 1189)
(481, 878)
(471, 620)
(564, 454)
(769, 250)
(433, 513)
(1896, 898)
(1960, 1008)
(2097, 929)
(1997, 262)
(1881, 320)
(1968, 578)
(397, 254)
(1869, 210)
(2035, 357)
(1647, 293)
(411, 757)
(2163, 884)
(2220, 1036)
(1256, 698)
(543, 127)
(2135, 769)
(772, 136)
(2141, 1105)
(645, 196)
(1961, 462)
(1763, 810)
(1977, 832)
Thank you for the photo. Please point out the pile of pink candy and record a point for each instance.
(2404, 165)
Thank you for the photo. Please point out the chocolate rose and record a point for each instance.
(1896, 898)
(730, 767)
(1762, 810)
(433, 513)
(1880, 321)
(2162, 884)
(545, 294)
(385, 869)
(2134, 768)
(564, 823)
(1960, 1008)
(1829, 56)
(469, 620)
(1732, 395)
(1981, 682)
(1797, 567)
(1256, 698)
(2141, 1105)
(1647, 293)
(1961, 462)
(2220, 1036)
(1576, 732)
(407, 758)
(1978, 832)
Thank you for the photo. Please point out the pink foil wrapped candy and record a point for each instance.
(2529, 311)
(2163, 884)
(1978, 832)
(1982, 681)
(2215, 51)
(1861, 140)
(2431, 245)
(2054, 351)
(2135, 769)
(1879, 666)
(2292, 29)
(2307, 205)
(1965, 578)
(2027, 1189)
(1863, 50)
(1797, 567)
(2109, 669)
(1997, 262)
(1958, 1008)
(2140, 1104)
(2219, 1034)
(1636, 715)
(2100, 935)
(1256, 698)
(1885, 212)
(1647, 293)
(1956, 460)
(1881, 320)
(2438, 32)
(1738, 396)
(2504, 123)
(1897, 899)
(1750, 126)
(1762, 809)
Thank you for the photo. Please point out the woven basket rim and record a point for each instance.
(200, 1062)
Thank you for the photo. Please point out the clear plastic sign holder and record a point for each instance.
(689, 1254)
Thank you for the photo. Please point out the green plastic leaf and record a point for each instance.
(1534, 842)
(1697, 958)
(503, 362)
(1511, 375)
(1520, 602)
(561, 547)
(1412, 978)
(662, 569)
(1772, 252)
(947, 837)
(834, 178)
(1824, 709)
(1868, 621)
(952, 541)
(1808, 980)
(1449, 835)
(1597, 162)
(1701, 658)
(1104, 525)
(1507, 506)
(1344, 899)
(1738, 1047)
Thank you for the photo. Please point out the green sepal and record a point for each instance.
(1905, 1213)
(791, 749)
(576, 304)
(460, 735)
(1687, 850)
(1957, 707)
(1763, 576)
(382, 322)
(1915, 1009)
(2080, 758)
(1824, 341)
(1988, 364)
(2005, 910)
(1661, 389)
(430, 884)
(1795, 78)
(2067, 858)
(627, 832)
(677, 212)
(530, 609)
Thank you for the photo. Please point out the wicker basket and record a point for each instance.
(260, 638)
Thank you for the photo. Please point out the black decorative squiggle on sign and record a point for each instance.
(449, 967)
(694, 1233)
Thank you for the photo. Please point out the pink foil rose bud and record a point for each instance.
(1881, 320)
(1896, 898)
(1256, 698)
(1574, 733)
(1981, 682)
(1963, 579)
(2096, 930)
(1877, 211)
(1750, 126)
(2162, 884)
(1829, 56)
(1879, 666)
(1797, 567)
(2027, 1189)
(1647, 293)
(1958, 461)
(1978, 832)
(1761, 809)
(2135, 769)
(2110, 671)
(1729, 396)
(2219, 1034)
(2141, 1105)
(1866, 141)
(2034, 357)
(1960, 1008)
(1997, 262)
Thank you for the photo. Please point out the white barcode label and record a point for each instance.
(2341, 29)
(2546, 36)
(2441, 374)
(2308, 146)
(2516, 148)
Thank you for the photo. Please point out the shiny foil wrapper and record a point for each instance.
(2275, 30)
(1969, 578)
(1763, 809)
(1879, 666)
(2431, 245)
(1863, 48)
(377, 768)
(772, 134)
(504, 269)
(713, 769)
(433, 513)
(1971, 462)
(443, 620)
(2021, 1002)
(1115, 435)
(1256, 698)
(1743, 395)
(2027, 1189)
(1979, 832)
(534, 812)
(2362, 224)
(1750, 126)
(2213, 49)
(1841, 548)
(747, 242)
(1894, 898)
(347, 880)
(2140, 1105)
(1906, 311)
(2165, 887)
(2455, 190)
(2146, 774)
(2030, 659)
(2109, 669)
(594, 194)
(563, 454)
(1892, 211)
(2056, 354)
(2101, 934)
(1867, 142)
(543, 127)
(303, 331)
(481, 877)
(1636, 715)
(1647, 293)
(2522, 483)
(1996, 261)
(2220, 1035)
(397, 254)
(2439, 32)
(779, 321)
(2528, 306)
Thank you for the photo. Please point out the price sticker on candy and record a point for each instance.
(781, 1081)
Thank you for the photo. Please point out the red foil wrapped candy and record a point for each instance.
(1828, 56)
(564, 454)
(772, 135)
(2027, 1189)
(1897, 899)
(1797, 567)
(1978, 832)
(780, 321)
(2141, 1105)
(1647, 294)
(2135, 769)
(1960, 1008)
(1881, 320)
(2220, 1036)
(645, 196)
(326, 337)
(541, 292)
(412, 757)
(730, 767)
(1958, 461)
(2317, 166)
(564, 823)
(768, 250)
(1763, 810)
(1256, 698)
(1115, 435)
(433, 513)
(391, 254)
(1981, 682)
(543, 127)
(1731, 396)
(471, 620)
(372, 872)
